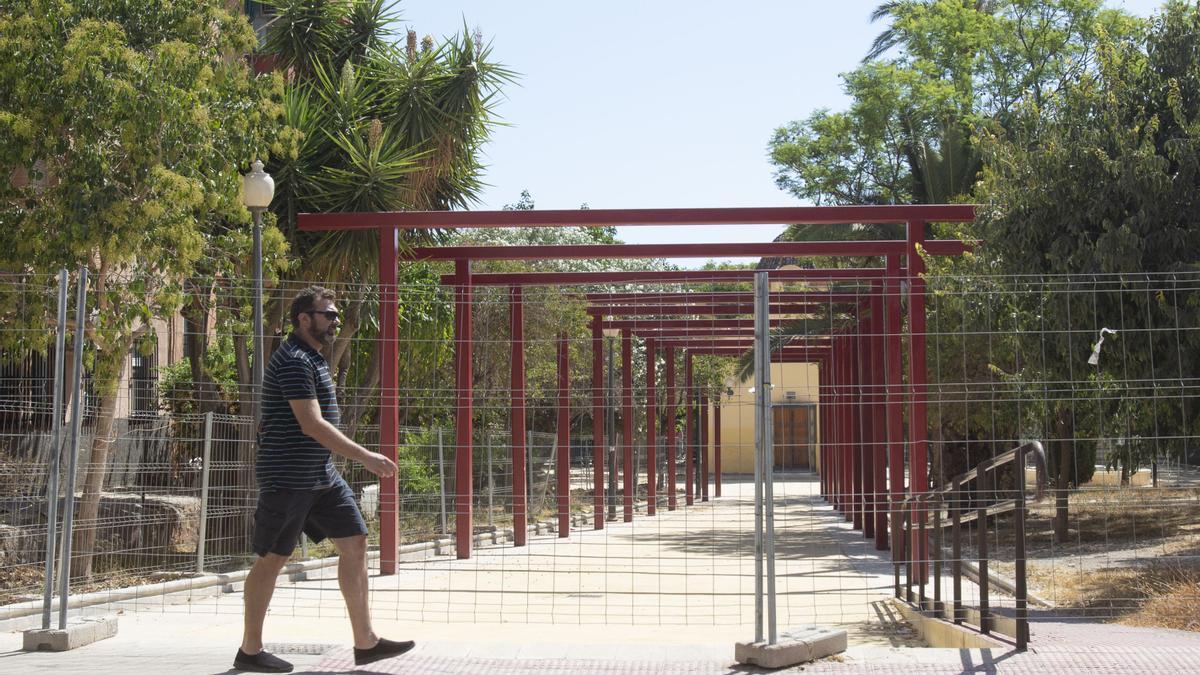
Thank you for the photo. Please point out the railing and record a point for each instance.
(960, 507)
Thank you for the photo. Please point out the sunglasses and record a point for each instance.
(330, 314)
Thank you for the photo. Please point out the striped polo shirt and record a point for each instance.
(287, 457)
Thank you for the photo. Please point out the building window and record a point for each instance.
(143, 385)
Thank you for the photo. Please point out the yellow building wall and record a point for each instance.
(737, 414)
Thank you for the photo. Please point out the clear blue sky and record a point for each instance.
(657, 103)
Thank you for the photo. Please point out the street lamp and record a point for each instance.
(257, 190)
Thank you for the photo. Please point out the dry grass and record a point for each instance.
(1154, 596)
(1177, 606)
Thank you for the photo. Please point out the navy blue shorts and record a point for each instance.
(283, 514)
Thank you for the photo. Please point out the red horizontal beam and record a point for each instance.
(717, 297)
(788, 215)
(735, 340)
(775, 249)
(803, 353)
(705, 324)
(659, 276)
(707, 310)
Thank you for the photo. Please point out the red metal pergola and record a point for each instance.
(852, 362)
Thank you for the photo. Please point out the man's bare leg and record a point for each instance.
(352, 580)
(260, 586)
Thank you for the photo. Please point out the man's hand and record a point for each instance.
(379, 465)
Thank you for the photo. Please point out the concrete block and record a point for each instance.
(797, 646)
(80, 634)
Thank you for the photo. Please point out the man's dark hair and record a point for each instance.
(306, 300)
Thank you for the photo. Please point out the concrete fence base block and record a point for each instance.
(80, 634)
(797, 646)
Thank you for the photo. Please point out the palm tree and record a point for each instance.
(382, 128)
(892, 36)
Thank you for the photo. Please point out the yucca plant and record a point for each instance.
(381, 127)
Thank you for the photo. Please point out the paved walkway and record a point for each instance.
(669, 594)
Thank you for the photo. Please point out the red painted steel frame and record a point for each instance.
(689, 433)
(856, 422)
(918, 432)
(840, 375)
(705, 297)
(847, 429)
(627, 421)
(598, 421)
(703, 448)
(705, 310)
(389, 401)
(808, 215)
(463, 412)
(701, 324)
(651, 428)
(879, 421)
(517, 418)
(895, 392)
(648, 251)
(672, 416)
(562, 467)
(717, 451)
(659, 276)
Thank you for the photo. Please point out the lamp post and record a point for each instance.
(257, 190)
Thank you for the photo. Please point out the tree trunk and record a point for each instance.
(1064, 430)
(368, 384)
(93, 485)
(195, 316)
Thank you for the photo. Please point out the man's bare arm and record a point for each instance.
(308, 414)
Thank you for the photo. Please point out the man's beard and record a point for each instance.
(325, 337)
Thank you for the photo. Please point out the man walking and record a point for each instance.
(299, 489)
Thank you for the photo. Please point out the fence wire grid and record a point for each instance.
(1101, 369)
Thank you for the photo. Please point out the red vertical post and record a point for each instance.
(866, 425)
(879, 419)
(831, 428)
(689, 432)
(703, 448)
(894, 390)
(822, 430)
(389, 403)
(717, 450)
(672, 411)
(517, 414)
(598, 421)
(627, 420)
(651, 429)
(855, 414)
(562, 468)
(847, 430)
(463, 412)
(917, 416)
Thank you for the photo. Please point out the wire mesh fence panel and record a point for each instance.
(1099, 369)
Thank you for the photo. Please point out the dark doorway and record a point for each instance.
(793, 437)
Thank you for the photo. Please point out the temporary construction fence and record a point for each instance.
(1100, 369)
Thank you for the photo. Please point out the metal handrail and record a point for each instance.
(948, 498)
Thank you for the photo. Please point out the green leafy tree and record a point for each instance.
(1102, 178)
(379, 127)
(123, 127)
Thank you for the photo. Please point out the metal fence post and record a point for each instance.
(73, 459)
(983, 483)
(529, 513)
(491, 484)
(1019, 534)
(60, 343)
(204, 469)
(442, 480)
